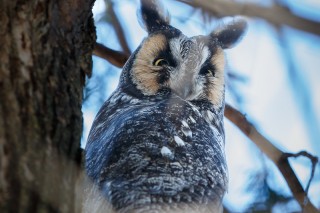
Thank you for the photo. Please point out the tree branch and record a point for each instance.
(279, 158)
(276, 14)
(118, 28)
(250, 131)
(313, 159)
(116, 58)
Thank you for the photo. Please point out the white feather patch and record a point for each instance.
(179, 141)
(166, 152)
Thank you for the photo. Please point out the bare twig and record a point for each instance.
(118, 28)
(116, 58)
(313, 159)
(251, 132)
(279, 158)
(276, 14)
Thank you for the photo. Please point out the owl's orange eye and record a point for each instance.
(160, 62)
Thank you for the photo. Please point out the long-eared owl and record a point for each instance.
(157, 144)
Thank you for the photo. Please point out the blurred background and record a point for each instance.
(273, 78)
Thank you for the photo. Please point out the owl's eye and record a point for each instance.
(210, 72)
(207, 70)
(160, 62)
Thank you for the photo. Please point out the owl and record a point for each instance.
(157, 144)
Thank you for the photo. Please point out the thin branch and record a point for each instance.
(279, 158)
(251, 132)
(118, 28)
(276, 14)
(116, 58)
(313, 159)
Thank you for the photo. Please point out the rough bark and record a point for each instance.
(45, 53)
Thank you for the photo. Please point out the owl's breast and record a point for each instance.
(164, 151)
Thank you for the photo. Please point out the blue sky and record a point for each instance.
(281, 94)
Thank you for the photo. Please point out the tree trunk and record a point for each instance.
(45, 53)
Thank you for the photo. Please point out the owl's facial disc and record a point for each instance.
(190, 67)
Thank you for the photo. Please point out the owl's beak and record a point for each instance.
(184, 87)
(186, 91)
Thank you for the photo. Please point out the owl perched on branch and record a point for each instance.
(157, 144)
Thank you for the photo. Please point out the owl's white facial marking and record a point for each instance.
(191, 56)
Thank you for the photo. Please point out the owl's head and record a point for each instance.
(191, 67)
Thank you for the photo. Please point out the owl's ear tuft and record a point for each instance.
(230, 34)
(153, 16)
